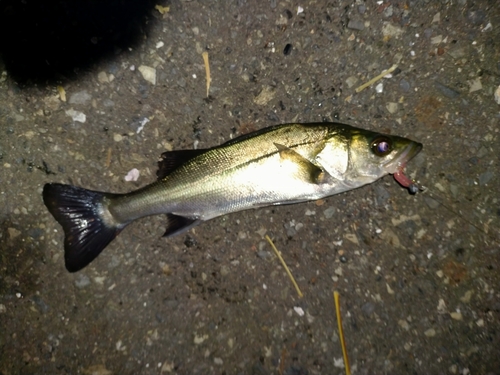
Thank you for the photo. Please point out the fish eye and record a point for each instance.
(381, 146)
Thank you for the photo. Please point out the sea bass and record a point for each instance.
(281, 164)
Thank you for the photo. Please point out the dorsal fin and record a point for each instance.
(171, 160)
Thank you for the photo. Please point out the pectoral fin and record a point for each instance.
(299, 166)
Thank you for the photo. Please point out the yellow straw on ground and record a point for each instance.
(379, 77)
(62, 93)
(285, 266)
(108, 158)
(162, 9)
(341, 332)
(207, 70)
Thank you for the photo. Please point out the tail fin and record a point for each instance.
(81, 214)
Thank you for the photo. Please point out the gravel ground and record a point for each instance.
(90, 91)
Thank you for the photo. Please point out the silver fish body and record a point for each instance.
(277, 165)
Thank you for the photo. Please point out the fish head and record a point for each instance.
(374, 155)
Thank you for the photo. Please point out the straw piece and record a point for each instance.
(285, 266)
(162, 9)
(377, 78)
(108, 157)
(341, 332)
(207, 70)
(62, 93)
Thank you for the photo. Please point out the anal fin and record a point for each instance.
(179, 224)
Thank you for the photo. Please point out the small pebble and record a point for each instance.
(189, 241)
(404, 85)
(265, 96)
(413, 189)
(389, 289)
(13, 233)
(441, 308)
(132, 175)
(148, 73)
(436, 39)
(108, 103)
(389, 30)
(115, 261)
(368, 308)
(102, 77)
(431, 332)
(453, 190)
(356, 25)
(218, 361)
(446, 91)
(466, 297)
(77, 116)
(456, 315)
(272, 116)
(497, 95)
(389, 11)
(485, 177)
(432, 203)
(392, 107)
(404, 324)
(329, 212)
(40, 303)
(264, 254)
(199, 339)
(476, 17)
(475, 85)
(351, 81)
(80, 97)
(290, 231)
(298, 310)
(171, 304)
(82, 281)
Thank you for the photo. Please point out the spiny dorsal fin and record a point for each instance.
(171, 160)
(303, 168)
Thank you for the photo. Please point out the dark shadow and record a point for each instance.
(53, 41)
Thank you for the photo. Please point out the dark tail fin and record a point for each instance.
(81, 213)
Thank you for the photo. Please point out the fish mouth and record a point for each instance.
(408, 153)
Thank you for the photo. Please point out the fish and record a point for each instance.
(281, 164)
